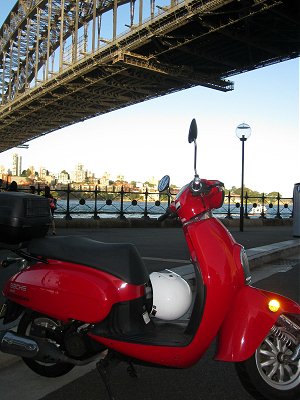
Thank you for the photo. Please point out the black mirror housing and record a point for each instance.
(193, 131)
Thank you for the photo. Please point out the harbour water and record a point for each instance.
(139, 209)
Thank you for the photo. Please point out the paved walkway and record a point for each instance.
(263, 243)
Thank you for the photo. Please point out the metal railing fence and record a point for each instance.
(122, 203)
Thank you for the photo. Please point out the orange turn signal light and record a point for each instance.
(274, 305)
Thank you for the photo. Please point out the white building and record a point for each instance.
(63, 177)
(17, 165)
(79, 174)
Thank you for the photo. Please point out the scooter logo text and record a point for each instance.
(18, 287)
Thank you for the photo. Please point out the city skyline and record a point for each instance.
(150, 138)
(79, 174)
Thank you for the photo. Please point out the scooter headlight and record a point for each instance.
(245, 265)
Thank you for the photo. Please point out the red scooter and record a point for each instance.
(80, 300)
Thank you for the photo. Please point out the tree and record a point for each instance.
(273, 196)
(28, 172)
(148, 184)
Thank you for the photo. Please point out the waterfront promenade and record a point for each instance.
(261, 238)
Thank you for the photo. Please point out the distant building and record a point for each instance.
(139, 185)
(79, 174)
(17, 165)
(63, 177)
(43, 173)
(104, 180)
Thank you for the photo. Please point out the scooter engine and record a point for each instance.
(72, 338)
(77, 344)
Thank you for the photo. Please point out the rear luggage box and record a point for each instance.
(23, 216)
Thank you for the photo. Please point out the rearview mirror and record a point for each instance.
(163, 183)
(193, 131)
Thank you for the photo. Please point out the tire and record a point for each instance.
(266, 376)
(52, 370)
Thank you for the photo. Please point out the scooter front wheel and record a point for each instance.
(266, 376)
(27, 327)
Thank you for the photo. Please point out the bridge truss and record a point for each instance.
(63, 61)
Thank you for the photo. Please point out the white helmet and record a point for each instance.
(172, 296)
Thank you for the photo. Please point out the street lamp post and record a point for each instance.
(243, 132)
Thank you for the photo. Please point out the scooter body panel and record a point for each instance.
(67, 291)
(248, 322)
(217, 254)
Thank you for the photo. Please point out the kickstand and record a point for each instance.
(132, 372)
(105, 367)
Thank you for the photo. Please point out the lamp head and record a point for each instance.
(243, 131)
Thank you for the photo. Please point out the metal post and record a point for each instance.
(141, 12)
(48, 38)
(10, 68)
(94, 25)
(96, 216)
(122, 216)
(61, 39)
(152, 8)
(146, 216)
(246, 206)
(3, 76)
(68, 215)
(228, 216)
(243, 132)
(243, 139)
(278, 216)
(263, 198)
(19, 64)
(37, 44)
(75, 37)
(115, 11)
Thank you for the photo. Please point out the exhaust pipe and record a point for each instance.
(27, 347)
(19, 346)
(38, 349)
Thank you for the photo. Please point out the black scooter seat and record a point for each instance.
(119, 259)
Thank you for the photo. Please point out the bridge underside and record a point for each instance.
(192, 46)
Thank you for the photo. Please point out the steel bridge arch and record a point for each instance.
(63, 61)
(33, 31)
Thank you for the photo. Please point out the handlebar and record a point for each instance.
(10, 261)
(199, 186)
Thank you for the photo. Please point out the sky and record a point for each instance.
(150, 139)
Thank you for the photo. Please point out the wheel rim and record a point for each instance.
(276, 373)
(28, 332)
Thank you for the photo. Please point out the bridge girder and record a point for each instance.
(57, 67)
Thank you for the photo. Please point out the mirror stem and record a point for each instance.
(195, 158)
